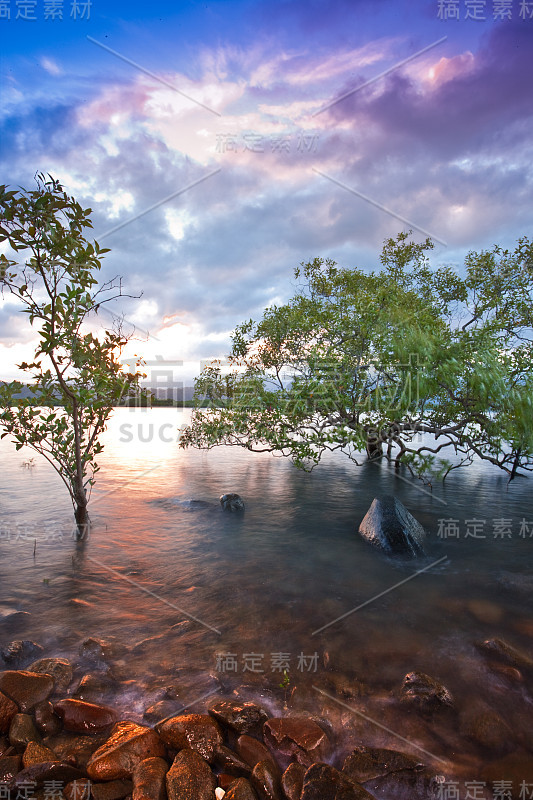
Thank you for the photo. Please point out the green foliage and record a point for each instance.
(357, 359)
(76, 375)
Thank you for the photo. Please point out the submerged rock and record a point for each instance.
(232, 502)
(389, 526)
(424, 692)
(59, 668)
(365, 763)
(323, 782)
(18, 652)
(238, 716)
(299, 738)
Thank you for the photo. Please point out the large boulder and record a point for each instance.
(389, 526)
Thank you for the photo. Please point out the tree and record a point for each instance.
(360, 361)
(76, 375)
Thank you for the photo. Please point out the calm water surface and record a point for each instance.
(264, 582)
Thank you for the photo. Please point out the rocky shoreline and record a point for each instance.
(55, 743)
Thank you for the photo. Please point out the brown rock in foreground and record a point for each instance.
(252, 750)
(78, 790)
(297, 737)
(37, 754)
(149, 779)
(22, 731)
(49, 771)
(292, 781)
(60, 669)
(241, 789)
(128, 744)
(46, 721)
(8, 709)
(26, 688)
(81, 717)
(190, 778)
(266, 780)
(112, 790)
(199, 732)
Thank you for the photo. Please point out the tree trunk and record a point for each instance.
(82, 521)
(374, 447)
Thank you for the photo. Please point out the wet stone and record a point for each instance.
(149, 779)
(266, 780)
(81, 717)
(298, 738)
(425, 693)
(95, 685)
(8, 709)
(252, 750)
(497, 648)
(46, 721)
(59, 668)
(292, 781)
(128, 744)
(9, 767)
(45, 772)
(190, 778)
(408, 784)
(240, 717)
(240, 789)
(19, 652)
(26, 688)
(365, 763)
(199, 732)
(36, 753)
(23, 731)
(112, 790)
(230, 762)
(324, 782)
(75, 749)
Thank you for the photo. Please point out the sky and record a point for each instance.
(221, 144)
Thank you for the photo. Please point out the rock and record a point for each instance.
(389, 526)
(81, 717)
(199, 732)
(8, 709)
(98, 650)
(78, 790)
(189, 778)
(59, 668)
(46, 721)
(497, 648)
(365, 763)
(230, 763)
(408, 784)
(19, 652)
(112, 790)
(240, 789)
(36, 753)
(231, 502)
(9, 767)
(485, 611)
(298, 738)
(292, 781)
(323, 782)
(252, 751)
(488, 729)
(128, 744)
(22, 731)
(39, 774)
(75, 749)
(239, 716)
(95, 685)
(161, 710)
(266, 780)
(26, 688)
(149, 779)
(424, 693)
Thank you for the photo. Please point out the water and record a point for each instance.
(221, 587)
